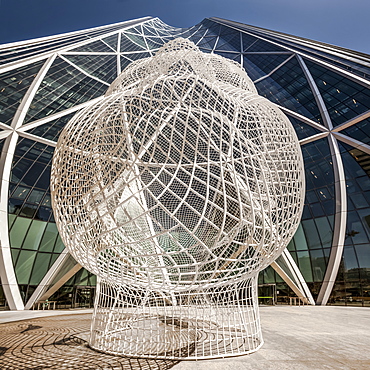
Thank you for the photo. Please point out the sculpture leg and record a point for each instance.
(206, 323)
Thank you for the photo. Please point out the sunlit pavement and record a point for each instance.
(295, 338)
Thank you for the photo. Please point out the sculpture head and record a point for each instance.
(181, 178)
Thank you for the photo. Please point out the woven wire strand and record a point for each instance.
(176, 189)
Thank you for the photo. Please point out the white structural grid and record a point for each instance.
(138, 38)
(176, 189)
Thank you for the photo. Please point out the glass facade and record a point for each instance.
(324, 92)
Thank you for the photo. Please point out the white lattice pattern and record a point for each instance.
(176, 189)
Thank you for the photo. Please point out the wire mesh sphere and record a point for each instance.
(181, 177)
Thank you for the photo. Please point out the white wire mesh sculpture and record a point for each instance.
(176, 189)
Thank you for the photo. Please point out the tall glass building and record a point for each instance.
(323, 89)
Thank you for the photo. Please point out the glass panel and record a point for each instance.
(360, 131)
(304, 264)
(154, 43)
(259, 65)
(21, 192)
(18, 231)
(49, 238)
(248, 41)
(111, 41)
(103, 67)
(15, 253)
(11, 219)
(59, 246)
(353, 281)
(35, 196)
(207, 42)
(136, 56)
(124, 62)
(325, 231)
(31, 172)
(344, 98)
(318, 264)
(132, 43)
(261, 45)
(52, 130)
(63, 87)
(13, 86)
(229, 42)
(34, 235)
(312, 235)
(363, 254)
(40, 268)
(68, 264)
(302, 129)
(289, 87)
(96, 46)
(28, 50)
(230, 56)
(24, 266)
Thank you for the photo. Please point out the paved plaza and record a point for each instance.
(295, 338)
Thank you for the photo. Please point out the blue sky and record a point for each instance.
(339, 22)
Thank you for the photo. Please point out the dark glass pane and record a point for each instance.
(40, 268)
(363, 255)
(25, 51)
(30, 180)
(248, 41)
(52, 130)
(13, 86)
(111, 41)
(153, 43)
(207, 42)
(132, 43)
(231, 56)
(96, 46)
(360, 131)
(304, 264)
(289, 87)
(136, 56)
(303, 130)
(318, 166)
(259, 65)
(344, 98)
(299, 241)
(354, 279)
(124, 62)
(359, 160)
(318, 264)
(229, 42)
(261, 45)
(103, 67)
(63, 87)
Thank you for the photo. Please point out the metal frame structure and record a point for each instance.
(143, 37)
(176, 189)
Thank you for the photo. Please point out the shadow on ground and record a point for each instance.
(55, 343)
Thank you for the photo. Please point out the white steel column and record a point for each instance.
(340, 220)
(7, 272)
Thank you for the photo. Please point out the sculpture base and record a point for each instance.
(209, 323)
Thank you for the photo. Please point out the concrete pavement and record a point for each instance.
(305, 337)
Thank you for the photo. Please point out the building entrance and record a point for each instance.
(267, 294)
(83, 296)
